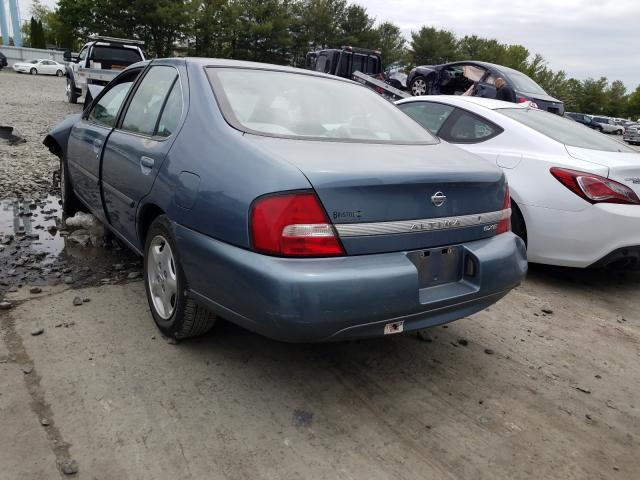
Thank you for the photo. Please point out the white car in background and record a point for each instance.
(42, 66)
(574, 191)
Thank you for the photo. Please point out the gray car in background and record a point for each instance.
(608, 125)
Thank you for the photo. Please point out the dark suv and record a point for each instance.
(585, 120)
(3, 61)
(342, 62)
(458, 77)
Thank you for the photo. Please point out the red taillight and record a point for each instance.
(594, 188)
(293, 225)
(505, 224)
(522, 100)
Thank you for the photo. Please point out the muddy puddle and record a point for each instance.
(35, 249)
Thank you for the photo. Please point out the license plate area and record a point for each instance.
(437, 266)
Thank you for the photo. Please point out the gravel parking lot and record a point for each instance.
(542, 385)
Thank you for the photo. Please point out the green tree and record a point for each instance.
(617, 99)
(357, 28)
(32, 38)
(594, 96)
(633, 105)
(391, 42)
(321, 20)
(433, 46)
(42, 42)
(261, 31)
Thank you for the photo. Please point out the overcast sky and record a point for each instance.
(586, 38)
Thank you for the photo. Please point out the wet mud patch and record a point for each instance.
(35, 249)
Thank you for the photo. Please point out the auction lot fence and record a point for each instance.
(22, 54)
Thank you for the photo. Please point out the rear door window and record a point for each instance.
(428, 114)
(148, 100)
(171, 113)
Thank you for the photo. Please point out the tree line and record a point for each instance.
(283, 31)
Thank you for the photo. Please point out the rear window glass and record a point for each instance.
(523, 83)
(564, 130)
(115, 55)
(323, 64)
(293, 105)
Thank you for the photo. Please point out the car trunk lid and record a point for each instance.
(379, 196)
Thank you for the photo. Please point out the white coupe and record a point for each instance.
(574, 190)
(40, 66)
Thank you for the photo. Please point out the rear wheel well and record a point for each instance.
(53, 146)
(517, 222)
(149, 213)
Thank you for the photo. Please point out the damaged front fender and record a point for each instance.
(58, 138)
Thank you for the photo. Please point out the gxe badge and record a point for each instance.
(438, 199)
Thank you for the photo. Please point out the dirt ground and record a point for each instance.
(542, 385)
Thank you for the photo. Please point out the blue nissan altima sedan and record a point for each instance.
(298, 205)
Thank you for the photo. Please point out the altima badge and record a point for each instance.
(438, 199)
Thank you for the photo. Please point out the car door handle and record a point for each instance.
(97, 145)
(146, 164)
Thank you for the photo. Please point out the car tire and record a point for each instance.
(59, 73)
(70, 203)
(33, 71)
(418, 86)
(72, 96)
(600, 129)
(175, 314)
(518, 226)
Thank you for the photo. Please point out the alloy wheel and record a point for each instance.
(419, 87)
(162, 277)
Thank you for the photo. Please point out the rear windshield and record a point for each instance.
(115, 55)
(293, 105)
(523, 83)
(564, 130)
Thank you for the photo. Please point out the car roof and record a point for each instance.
(223, 62)
(460, 100)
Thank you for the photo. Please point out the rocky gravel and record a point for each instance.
(31, 105)
(35, 247)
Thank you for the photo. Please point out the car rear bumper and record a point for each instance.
(305, 300)
(584, 238)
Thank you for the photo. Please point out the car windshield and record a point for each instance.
(564, 131)
(34, 61)
(523, 83)
(293, 105)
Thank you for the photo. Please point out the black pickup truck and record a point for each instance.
(342, 62)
